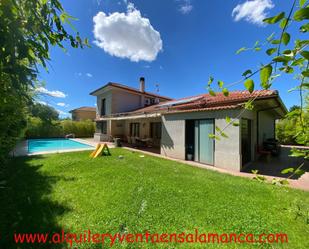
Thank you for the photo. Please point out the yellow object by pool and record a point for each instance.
(96, 149)
(101, 148)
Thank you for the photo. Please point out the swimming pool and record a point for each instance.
(54, 144)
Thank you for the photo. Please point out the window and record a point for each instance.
(102, 127)
(103, 107)
(155, 130)
(134, 129)
(147, 102)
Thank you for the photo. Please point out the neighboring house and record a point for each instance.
(83, 113)
(181, 127)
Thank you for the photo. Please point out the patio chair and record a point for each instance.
(263, 154)
(71, 135)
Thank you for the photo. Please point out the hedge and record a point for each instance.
(36, 128)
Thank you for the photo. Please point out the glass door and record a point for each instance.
(246, 140)
(204, 146)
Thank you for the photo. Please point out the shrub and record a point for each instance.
(289, 128)
(79, 128)
(38, 129)
(12, 116)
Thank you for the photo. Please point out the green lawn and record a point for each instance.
(137, 194)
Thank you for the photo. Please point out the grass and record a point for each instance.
(135, 194)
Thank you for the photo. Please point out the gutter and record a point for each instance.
(152, 115)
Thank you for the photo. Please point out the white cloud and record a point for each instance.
(186, 7)
(86, 74)
(41, 102)
(62, 113)
(127, 35)
(62, 104)
(56, 93)
(253, 11)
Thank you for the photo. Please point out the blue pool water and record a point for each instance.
(39, 145)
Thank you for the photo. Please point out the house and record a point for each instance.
(83, 113)
(181, 128)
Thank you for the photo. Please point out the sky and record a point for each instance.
(175, 44)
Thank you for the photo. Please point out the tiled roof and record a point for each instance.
(208, 102)
(84, 108)
(132, 89)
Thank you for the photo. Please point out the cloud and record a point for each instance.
(62, 113)
(62, 104)
(253, 11)
(86, 74)
(127, 35)
(56, 94)
(41, 102)
(186, 7)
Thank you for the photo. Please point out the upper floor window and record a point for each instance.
(103, 107)
(149, 101)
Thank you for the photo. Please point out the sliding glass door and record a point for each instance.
(203, 145)
(246, 140)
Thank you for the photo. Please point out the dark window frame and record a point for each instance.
(134, 129)
(102, 127)
(155, 130)
(103, 107)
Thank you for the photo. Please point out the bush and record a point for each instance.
(288, 130)
(79, 128)
(38, 129)
(12, 116)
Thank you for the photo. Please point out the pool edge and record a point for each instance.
(21, 149)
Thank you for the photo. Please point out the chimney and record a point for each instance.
(142, 84)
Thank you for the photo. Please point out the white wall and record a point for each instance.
(125, 101)
(227, 150)
(108, 102)
(266, 125)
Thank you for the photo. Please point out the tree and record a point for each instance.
(294, 107)
(46, 113)
(285, 57)
(27, 29)
(288, 128)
